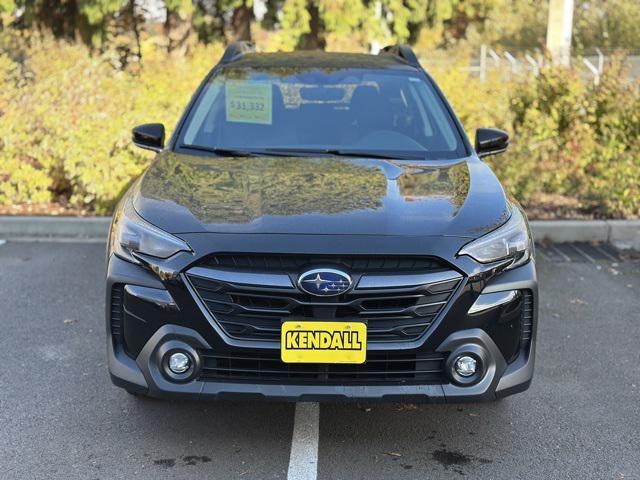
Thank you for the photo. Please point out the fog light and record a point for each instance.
(466, 366)
(179, 362)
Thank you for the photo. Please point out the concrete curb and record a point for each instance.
(624, 234)
(55, 228)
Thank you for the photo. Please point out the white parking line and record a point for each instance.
(561, 253)
(544, 255)
(607, 254)
(303, 461)
(583, 253)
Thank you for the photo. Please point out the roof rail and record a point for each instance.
(237, 49)
(403, 51)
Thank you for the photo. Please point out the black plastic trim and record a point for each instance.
(402, 51)
(236, 50)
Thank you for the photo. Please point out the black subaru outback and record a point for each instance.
(319, 227)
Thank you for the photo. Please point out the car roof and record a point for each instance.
(319, 59)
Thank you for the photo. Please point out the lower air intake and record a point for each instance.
(380, 368)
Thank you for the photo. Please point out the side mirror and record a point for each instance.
(149, 136)
(491, 141)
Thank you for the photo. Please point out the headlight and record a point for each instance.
(131, 234)
(510, 241)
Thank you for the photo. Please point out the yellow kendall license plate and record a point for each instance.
(324, 342)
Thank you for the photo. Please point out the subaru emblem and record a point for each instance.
(324, 282)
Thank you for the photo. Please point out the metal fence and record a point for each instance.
(509, 63)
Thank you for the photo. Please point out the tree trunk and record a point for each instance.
(314, 40)
(57, 17)
(241, 22)
(136, 30)
(166, 29)
(177, 31)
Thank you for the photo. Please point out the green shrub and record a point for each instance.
(569, 137)
(577, 139)
(66, 131)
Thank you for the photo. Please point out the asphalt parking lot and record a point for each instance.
(60, 417)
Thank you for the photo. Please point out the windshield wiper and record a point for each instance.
(294, 151)
(368, 154)
(223, 152)
(237, 152)
(346, 153)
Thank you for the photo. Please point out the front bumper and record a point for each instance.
(455, 332)
(144, 376)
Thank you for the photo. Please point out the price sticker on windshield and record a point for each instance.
(249, 102)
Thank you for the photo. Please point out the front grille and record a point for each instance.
(255, 262)
(251, 305)
(116, 311)
(526, 321)
(268, 368)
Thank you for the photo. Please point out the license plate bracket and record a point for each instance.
(323, 342)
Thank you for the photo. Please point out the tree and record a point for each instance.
(313, 38)
(315, 24)
(348, 23)
(177, 23)
(516, 24)
(292, 23)
(224, 19)
(404, 17)
(609, 25)
(241, 19)
(85, 20)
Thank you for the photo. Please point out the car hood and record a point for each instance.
(326, 195)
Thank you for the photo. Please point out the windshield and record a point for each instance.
(382, 113)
